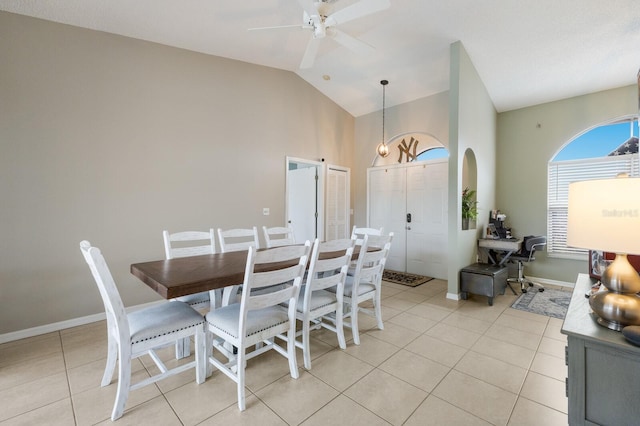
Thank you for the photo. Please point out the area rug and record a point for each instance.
(404, 278)
(551, 302)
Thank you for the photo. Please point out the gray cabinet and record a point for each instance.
(603, 386)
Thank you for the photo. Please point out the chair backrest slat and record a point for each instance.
(372, 258)
(229, 239)
(178, 250)
(285, 280)
(325, 272)
(286, 233)
(359, 233)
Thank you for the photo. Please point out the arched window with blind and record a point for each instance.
(599, 153)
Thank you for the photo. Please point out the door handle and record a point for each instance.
(408, 217)
(408, 228)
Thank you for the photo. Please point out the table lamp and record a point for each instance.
(604, 215)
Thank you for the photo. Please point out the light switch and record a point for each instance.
(265, 211)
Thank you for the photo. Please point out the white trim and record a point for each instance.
(546, 281)
(349, 212)
(543, 281)
(571, 256)
(453, 296)
(62, 325)
(321, 166)
(75, 322)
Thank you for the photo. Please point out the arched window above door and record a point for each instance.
(410, 147)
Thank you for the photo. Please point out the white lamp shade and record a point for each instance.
(605, 215)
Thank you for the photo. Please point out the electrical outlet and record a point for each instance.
(265, 211)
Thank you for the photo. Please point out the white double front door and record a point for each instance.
(410, 200)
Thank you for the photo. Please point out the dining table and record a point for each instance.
(181, 276)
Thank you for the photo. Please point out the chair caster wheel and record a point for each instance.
(524, 290)
(541, 290)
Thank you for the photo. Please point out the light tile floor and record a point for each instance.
(437, 362)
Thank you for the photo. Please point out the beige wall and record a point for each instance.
(427, 115)
(112, 139)
(528, 139)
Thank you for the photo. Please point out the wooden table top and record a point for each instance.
(172, 278)
(188, 275)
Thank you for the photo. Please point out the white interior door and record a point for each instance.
(301, 202)
(387, 208)
(419, 246)
(427, 231)
(338, 206)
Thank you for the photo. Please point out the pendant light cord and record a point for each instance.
(384, 85)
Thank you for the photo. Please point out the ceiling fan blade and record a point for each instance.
(308, 6)
(310, 53)
(352, 43)
(278, 27)
(357, 10)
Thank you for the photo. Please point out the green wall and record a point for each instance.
(528, 139)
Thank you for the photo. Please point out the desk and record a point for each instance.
(506, 246)
(172, 278)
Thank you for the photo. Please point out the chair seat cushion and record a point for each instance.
(195, 299)
(363, 288)
(319, 298)
(227, 319)
(161, 320)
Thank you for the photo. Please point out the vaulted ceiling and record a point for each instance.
(527, 52)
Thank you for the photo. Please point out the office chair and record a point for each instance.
(529, 247)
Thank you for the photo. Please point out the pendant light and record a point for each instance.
(383, 149)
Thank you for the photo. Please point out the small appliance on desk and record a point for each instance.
(496, 228)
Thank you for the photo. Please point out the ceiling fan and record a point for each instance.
(319, 17)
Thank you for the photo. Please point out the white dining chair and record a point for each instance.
(284, 236)
(259, 317)
(141, 332)
(327, 269)
(192, 243)
(366, 283)
(236, 239)
(358, 233)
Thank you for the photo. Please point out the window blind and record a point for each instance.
(561, 174)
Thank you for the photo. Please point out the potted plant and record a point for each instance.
(469, 207)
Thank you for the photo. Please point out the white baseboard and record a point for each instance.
(75, 322)
(544, 281)
(453, 296)
(57, 326)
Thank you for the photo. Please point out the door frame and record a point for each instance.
(403, 166)
(348, 212)
(320, 167)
